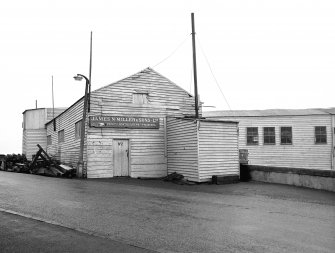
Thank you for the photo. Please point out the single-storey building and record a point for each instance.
(202, 148)
(144, 126)
(34, 129)
(302, 138)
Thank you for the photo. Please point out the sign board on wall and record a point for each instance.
(124, 122)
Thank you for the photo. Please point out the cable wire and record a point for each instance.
(173, 52)
(209, 66)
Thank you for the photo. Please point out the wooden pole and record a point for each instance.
(53, 104)
(195, 69)
(89, 77)
(81, 170)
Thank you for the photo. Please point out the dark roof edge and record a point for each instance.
(204, 120)
(65, 110)
(42, 108)
(262, 116)
(170, 81)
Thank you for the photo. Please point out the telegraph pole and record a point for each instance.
(53, 104)
(195, 69)
(89, 77)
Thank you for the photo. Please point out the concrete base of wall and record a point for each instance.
(316, 179)
(228, 179)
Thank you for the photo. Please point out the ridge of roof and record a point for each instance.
(270, 112)
(137, 73)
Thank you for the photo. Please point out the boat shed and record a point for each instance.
(128, 129)
(34, 129)
(292, 138)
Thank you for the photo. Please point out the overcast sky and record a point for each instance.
(264, 54)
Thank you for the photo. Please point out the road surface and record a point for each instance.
(165, 217)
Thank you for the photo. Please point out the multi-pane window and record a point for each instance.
(61, 136)
(49, 140)
(286, 135)
(320, 135)
(269, 135)
(140, 98)
(77, 132)
(252, 136)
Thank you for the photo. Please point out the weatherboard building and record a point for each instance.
(288, 138)
(144, 126)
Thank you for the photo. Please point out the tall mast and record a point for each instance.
(53, 104)
(89, 77)
(195, 69)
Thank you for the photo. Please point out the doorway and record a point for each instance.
(121, 158)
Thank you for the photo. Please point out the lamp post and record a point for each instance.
(81, 171)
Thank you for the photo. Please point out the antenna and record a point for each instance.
(195, 69)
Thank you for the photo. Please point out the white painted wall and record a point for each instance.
(303, 153)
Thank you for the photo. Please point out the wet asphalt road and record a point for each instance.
(244, 217)
(19, 234)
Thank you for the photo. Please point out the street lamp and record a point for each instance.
(81, 171)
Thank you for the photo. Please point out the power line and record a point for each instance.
(209, 66)
(173, 52)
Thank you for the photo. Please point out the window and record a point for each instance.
(61, 136)
(269, 136)
(252, 136)
(49, 140)
(140, 98)
(285, 135)
(77, 132)
(320, 135)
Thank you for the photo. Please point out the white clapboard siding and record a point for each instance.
(147, 146)
(182, 148)
(218, 149)
(34, 130)
(200, 149)
(32, 137)
(147, 156)
(303, 153)
(34, 119)
(53, 112)
(68, 151)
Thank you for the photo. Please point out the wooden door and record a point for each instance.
(121, 158)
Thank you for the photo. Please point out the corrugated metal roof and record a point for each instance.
(269, 112)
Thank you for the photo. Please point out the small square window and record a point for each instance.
(286, 135)
(252, 136)
(49, 140)
(77, 133)
(269, 136)
(140, 98)
(61, 136)
(320, 135)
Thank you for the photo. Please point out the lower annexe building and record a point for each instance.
(303, 138)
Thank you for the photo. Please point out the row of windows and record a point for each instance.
(77, 134)
(286, 137)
